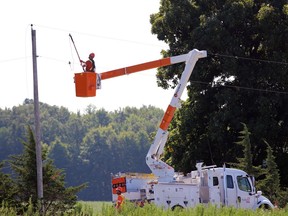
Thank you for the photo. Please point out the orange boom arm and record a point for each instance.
(135, 68)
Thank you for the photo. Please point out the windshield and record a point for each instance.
(244, 184)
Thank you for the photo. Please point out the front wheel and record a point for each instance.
(177, 208)
(265, 207)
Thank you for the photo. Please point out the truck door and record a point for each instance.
(245, 198)
(231, 195)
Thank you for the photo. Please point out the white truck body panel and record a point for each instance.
(171, 194)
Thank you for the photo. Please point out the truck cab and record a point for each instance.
(240, 191)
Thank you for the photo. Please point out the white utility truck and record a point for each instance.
(219, 186)
(169, 189)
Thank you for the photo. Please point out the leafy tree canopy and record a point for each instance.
(243, 79)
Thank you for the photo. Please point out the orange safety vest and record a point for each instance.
(90, 66)
(120, 201)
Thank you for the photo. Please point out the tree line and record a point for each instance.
(87, 147)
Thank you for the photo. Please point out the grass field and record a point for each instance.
(130, 209)
(93, 206)
(106, 208)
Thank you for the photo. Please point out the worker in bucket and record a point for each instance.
(120, 198)
(89, 64)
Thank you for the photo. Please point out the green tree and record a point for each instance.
(57, 198)
(283, 198)
(59, 153)
(7, 188)
(270, 185)
(246, 162)
(98, 161)
(243, 79)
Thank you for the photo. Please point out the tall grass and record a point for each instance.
(130, 209)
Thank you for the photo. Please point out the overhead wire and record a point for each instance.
(247, 58)
(143, 43)
(53, 59)
(192, 81)
(14, 59)
(241, 87)
(210, 54)
(99, 36)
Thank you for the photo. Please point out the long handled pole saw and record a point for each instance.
(76, 51)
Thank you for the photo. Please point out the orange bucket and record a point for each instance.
(85, 84)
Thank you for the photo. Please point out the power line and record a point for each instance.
(100, 36)
(54, 59)
(149, 44)
(241, 87)
(247, 58)
(28, 57)
(198, 82)
(211, 54)
(14, 59)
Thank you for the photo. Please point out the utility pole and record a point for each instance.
(37, 120)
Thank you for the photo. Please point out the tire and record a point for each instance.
(265, 207)
(177, 208)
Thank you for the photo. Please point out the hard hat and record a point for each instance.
(118, 189)
(92, 55)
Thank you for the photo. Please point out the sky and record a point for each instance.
(118, 32)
